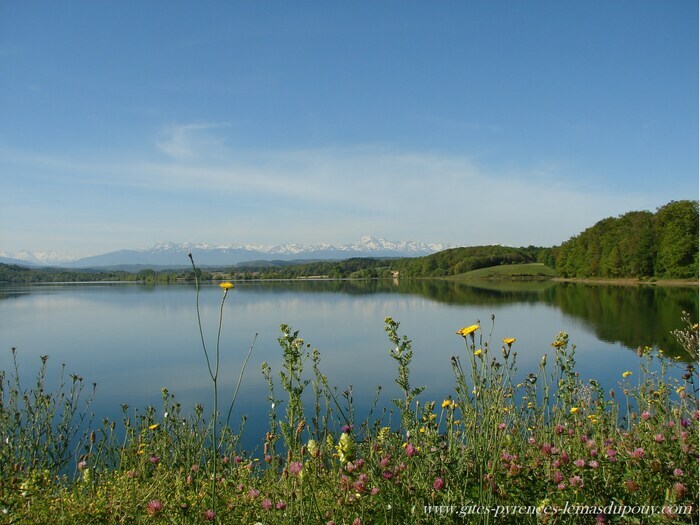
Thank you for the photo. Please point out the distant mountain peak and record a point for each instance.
(173, 254)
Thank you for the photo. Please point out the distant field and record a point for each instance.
(510, 271)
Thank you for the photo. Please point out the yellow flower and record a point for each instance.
(154, 426)
(477, 353)
(574, 410)
(468, 330)
(226, 285)
(421, 430)
(509, 340)
(446, 403)
(626, 373)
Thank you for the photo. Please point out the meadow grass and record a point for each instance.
(547, 449)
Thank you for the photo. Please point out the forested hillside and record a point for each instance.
(461, 260)
(637, 244)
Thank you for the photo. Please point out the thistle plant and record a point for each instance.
(402, 354)
(294, 353)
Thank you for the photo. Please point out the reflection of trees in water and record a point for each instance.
(631, 315)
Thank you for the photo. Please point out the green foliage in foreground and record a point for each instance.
(550, 442)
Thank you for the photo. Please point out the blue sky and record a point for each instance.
(127, 123)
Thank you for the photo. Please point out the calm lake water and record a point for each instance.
(132, 340)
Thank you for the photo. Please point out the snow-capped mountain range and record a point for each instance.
(175, 254)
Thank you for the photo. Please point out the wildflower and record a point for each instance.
(294, 468)
(468, 330)
(345, 448)
(576, 481)
(154, 459)
(679, 489)
(637, 453)
(677, 472)
(411, 450)
(502, 426)
(253, 493)
(574, 410)
(446, 403)
(266, 504)
(385, 461)
(347, 428)
(559, 429)
(438, 484)
(477, 353)
(646, 415)
(82, 465)
(558, 476)
(357, 521)
(626, 373)
(209, 515)
(593, 463)
(659, 438)
(579, 463)
(631, 485)
(226, 286)
(154, 507)
(154, 426)
(281, 505)
(509, 340)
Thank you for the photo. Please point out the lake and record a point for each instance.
(132, 339)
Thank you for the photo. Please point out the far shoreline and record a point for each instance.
(628, 281)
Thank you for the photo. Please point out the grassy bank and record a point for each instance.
(525, 272)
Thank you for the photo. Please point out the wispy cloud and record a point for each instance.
(191, 141)
(303, 195)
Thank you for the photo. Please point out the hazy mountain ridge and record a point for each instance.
(175, 254)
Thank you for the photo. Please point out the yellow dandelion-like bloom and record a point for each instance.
(226, 285)
(154, 426)
(467, 330)
(509, 341)
(680, 389)
(477, 353)
(446, 403)
(626, 373)
(421, 430)
(558, 344)
(574, 410)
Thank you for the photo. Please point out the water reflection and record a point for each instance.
(133, 340)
